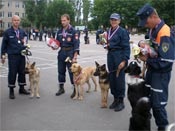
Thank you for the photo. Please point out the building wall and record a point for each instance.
(10, 8)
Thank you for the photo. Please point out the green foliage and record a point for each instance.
(25, 22)
(48, 15)
(86, 10)
(55, 10)
(166, 10)
(29, 9)
(42, 15)
(128, 9)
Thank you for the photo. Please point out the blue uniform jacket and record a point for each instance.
(71, 39)
(10, 44)
(120, 42)
(164, 44)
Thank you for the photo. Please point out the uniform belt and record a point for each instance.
(112, 49)
(66, 48)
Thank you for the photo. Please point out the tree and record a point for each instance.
(128, 9)
(54, 11)
(30, 12)
(40, 7)
(165, 9)
(86, 10)
(77, 5)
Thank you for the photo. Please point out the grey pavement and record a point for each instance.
(52, 112)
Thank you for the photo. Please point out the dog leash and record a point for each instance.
(77, 78)
(26, 52)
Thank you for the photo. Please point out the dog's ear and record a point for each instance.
(97, 64)
(79, 69)
(33, 65)
(27, 62)
(103, 66)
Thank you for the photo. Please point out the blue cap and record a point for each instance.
(115, 16)
(144, 13)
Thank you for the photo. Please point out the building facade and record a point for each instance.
(8, 9)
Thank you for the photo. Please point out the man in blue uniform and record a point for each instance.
(12, 44)
(69, 42)
(117, 58)
(159, 69)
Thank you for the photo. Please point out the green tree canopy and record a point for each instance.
(54, 11)
(128, 9)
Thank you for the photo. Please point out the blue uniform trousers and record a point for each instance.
(117, 84)
(16, 64)
(159, 95)
(62, 65)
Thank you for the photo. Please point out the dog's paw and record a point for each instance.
(38, 96)
(95, 90)
(104, 106)
(75, 98)
(31, 96)
(80, 98)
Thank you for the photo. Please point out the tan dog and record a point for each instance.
(34, 77)
(102, 73)
(82, 76)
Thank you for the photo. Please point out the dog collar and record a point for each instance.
(77, 78)
(136, 76)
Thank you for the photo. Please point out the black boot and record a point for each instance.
(23, 91)
(120, 105)
(73, 93)
(61, 90)
(161, 129)
(114, 104)
(11, 93)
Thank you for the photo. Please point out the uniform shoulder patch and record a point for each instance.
(165, 47)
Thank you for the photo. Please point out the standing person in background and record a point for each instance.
(158, 71)
(13, 43)
(86, 37)
(79, 33)
(69, 43)
(117, 58)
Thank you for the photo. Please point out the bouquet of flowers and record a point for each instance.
(103, 39)
(144, 48)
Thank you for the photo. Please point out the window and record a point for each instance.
(1, 14)
(17, 4)
(9, 24)
(23, 14)
(9, 4)
(1, 25)
(17, 13)
(23, 5)
(9, 14)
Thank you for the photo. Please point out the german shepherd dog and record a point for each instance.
(81, 76)
(138, 96)
(34, 77)
(102, 73)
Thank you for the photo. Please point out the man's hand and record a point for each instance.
(74, 60)
(3, 59)
(121, 65)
